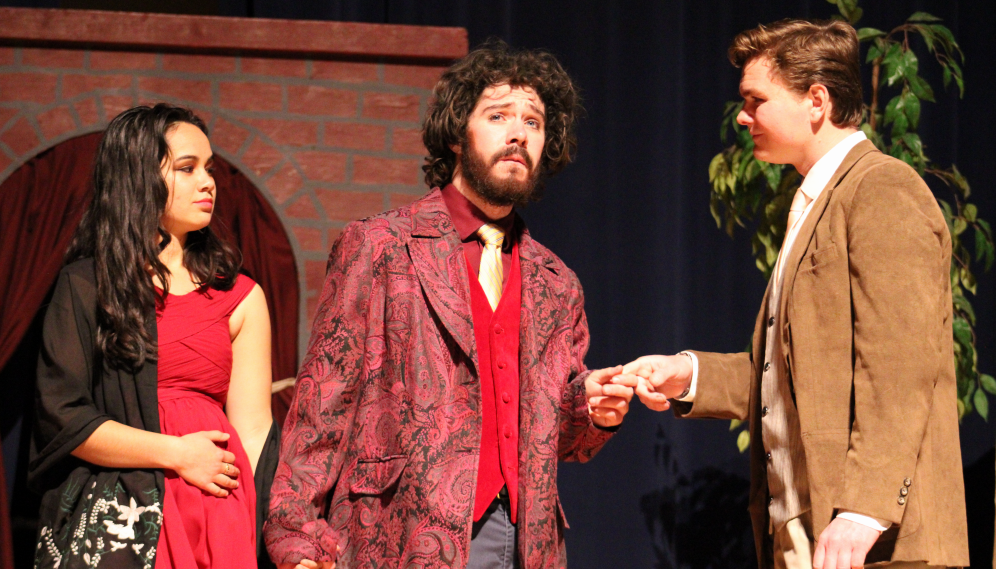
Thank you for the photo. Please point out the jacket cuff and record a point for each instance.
(315, 541)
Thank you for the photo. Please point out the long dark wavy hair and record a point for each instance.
(122, 231)
(495, 63)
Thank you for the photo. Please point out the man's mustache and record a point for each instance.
(513, 150)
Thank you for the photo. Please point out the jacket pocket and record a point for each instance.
(819, 257)
(375, 476)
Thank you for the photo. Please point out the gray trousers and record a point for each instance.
(493, 540)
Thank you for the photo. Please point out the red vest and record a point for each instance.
(497, 336)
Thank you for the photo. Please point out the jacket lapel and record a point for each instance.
(808, 229)
(541, 305)
(437, 255)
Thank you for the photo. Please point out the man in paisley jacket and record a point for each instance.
(445, 377)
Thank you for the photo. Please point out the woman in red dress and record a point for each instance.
(146, 244)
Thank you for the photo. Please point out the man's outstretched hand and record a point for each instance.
(609, 395)
(659, 378)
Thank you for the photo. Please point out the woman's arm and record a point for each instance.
(195, 457)
(248, 406)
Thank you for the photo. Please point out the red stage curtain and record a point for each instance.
(40, 207)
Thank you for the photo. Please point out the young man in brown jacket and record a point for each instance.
(850, 384)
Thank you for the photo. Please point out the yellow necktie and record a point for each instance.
(490, 274)
(799, 204)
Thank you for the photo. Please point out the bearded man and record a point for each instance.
(445, 375)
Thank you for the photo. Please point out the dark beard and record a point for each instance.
(494, 189)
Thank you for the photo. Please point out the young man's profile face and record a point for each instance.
(501, 156)
(778, 117)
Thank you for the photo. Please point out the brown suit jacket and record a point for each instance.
(865, 325)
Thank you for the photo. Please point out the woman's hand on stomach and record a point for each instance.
(202, 463)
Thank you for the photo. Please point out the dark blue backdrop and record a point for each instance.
(631, 216)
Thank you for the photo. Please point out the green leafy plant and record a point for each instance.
(748, 191)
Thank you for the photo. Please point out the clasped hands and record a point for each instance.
(654, 379)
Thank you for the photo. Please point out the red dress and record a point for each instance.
(200, 531)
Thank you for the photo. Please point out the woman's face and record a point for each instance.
(187, 171)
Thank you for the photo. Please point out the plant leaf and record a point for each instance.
(899, 128)
(912, 141)
(743, 441)
(965, 307)
(988, 383)
(947, 39)
(714, 165)
(865, 34)
(957, 75)
(891, 61)
(911, 107)
(981, 403)
(921, 88)
(962, 331)
(735, 424)
(970, 212)
(910, 64)
(892, 109)
(928, 36)
(878, 47)
(923, 17)
(960, 225)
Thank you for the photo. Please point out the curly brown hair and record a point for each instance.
(495, 63)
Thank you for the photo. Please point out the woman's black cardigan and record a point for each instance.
(76, 393)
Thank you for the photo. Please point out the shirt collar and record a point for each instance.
(468, 218)
(821, 172)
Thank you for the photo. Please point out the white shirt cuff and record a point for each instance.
(874, 523)
(690, 397)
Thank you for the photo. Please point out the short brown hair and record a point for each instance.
(804, 54)
(495, 63)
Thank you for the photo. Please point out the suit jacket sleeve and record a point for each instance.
(321, 415)
(580, 439)
(899, 262)
(723, 388)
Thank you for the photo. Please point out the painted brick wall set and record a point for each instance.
(327, 136)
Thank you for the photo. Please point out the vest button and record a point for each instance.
(499, 330)
(771, 321)
(764, 411)
(505, 397)
(501, 365)
(769, 456)
(508, 432)
(767, 366)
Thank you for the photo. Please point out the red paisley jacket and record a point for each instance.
(379, 457)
